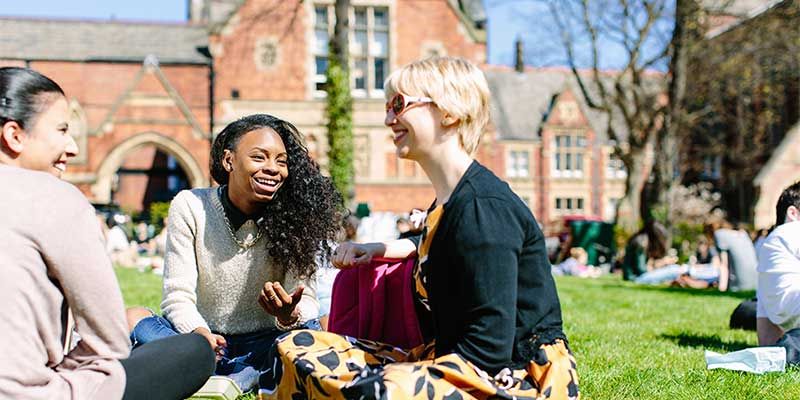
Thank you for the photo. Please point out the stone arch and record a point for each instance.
(78, 128)
(101, 189)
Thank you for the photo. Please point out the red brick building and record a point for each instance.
(551, 147)
(139, 96)
(147, 97)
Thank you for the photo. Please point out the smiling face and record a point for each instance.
(47, 145)
(415, 129)
(257, 167)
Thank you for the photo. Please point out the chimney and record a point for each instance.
(519, 64)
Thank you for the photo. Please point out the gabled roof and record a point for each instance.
(521, 103)
(472, 16)
(76, 40)
(780, 156)
(151, 65)
(742, 10)
(739, 8)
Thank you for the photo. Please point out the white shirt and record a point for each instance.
(117, 239)
(779, 276)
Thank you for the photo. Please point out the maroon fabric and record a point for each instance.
(376, 302)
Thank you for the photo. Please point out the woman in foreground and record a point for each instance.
(485, 298)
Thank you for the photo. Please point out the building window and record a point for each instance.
(568, 155)
(369, 48)
(518, 164)
(712, 167)
(615, 169)
(569, 205)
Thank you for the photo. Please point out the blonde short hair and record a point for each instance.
(457, 87)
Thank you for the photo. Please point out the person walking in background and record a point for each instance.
(58, 276)
(241, 258)
(485, 298)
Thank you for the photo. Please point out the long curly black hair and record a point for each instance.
(306, 212)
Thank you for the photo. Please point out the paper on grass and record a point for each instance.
(757, 360)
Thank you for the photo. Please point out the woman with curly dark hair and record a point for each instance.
(235, 251)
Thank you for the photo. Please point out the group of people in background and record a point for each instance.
(242, 260)
(724, 257)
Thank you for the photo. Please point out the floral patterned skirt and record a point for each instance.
(306, 364)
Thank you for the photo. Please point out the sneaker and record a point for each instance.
(218, 388)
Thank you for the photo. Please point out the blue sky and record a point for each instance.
(144, 10)
(508, 19)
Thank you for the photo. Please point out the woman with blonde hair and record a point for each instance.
(485, 298)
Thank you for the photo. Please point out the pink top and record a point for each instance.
(52, 255)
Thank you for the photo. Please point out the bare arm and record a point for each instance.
(724, 271)
(349, 254)
(768, 333)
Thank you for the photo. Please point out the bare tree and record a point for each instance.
(632, 97)
(686, 35)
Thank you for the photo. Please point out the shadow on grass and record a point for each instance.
(747, 294)
(706, 342)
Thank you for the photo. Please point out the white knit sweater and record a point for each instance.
(209, 280)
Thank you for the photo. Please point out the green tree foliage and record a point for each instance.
(743, 81)
(339, 112)
(158, 211)
(339, 108)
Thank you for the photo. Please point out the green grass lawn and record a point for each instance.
(631, 342)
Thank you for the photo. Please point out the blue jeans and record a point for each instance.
(660, 275)
(243, 357)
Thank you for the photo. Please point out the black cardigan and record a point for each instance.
(492, 295)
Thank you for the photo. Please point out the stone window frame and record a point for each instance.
(569, 205)
(372, 87)
(569, 154)
(615, 168)
(515, 167)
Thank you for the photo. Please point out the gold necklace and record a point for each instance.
(242, 244)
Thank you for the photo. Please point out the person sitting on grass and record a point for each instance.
(241, 258)
(778, 294)
(58, 278)
(485, 298)
(647, 253)
(737, 256)
(704, 267)
(575, 265)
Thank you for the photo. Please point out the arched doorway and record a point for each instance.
(145, 168)
(147, 175)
